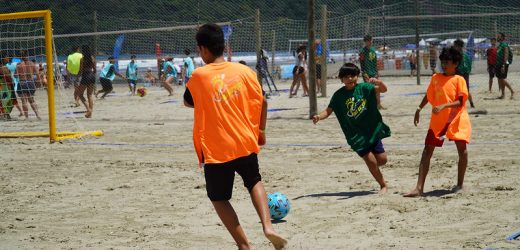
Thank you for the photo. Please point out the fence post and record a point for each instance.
(323, 58)
(313, 106)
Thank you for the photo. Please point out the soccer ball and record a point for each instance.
(141, 91)
(279, 205)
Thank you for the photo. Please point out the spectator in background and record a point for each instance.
(72, 66)
(491, 55)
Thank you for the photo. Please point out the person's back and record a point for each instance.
(73, 62)
(26, 70)
(231, 89)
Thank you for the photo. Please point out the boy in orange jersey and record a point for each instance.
(229, 124)
(447, 93)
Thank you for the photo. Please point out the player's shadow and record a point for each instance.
(341, 195)
(439, 193)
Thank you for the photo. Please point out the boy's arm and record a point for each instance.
(322, 115)
(456, 103)
(263, 123)
(379, 85)
(188, 99)
(423, 103)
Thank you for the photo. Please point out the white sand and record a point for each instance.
(139, 187)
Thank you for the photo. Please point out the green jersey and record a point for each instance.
(464, 67)
(368, 61)
(500, 53)
(358, 116)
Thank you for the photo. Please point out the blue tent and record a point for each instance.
(410, 46)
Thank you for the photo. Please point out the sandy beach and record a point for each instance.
(139, 185)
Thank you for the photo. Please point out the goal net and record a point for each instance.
(30, 106)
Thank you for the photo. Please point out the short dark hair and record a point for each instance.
(110, 58)
(348, 69)
(211, 36)
(132, 57)
(451, 54)
(367, 38)
(242, 62)
(187, 51)
(501, 34)
(459, 43)
(493, 39)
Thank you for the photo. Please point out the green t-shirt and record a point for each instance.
(464, 66)
(500, 52)
(358, 116)
(368, 61)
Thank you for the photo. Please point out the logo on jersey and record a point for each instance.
(224, 88)
(355, 107)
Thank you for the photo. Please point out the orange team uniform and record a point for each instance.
(228, 104)
(446, 89)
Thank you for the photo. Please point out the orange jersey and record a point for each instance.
(228, 104)
(446, 89)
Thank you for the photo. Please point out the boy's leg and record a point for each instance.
(463, 162)
(259, 198)
(228, 216)
(372, 164)
(424, 167)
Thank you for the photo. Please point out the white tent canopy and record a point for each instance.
(465, 40)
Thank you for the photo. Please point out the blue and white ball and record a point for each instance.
(279, 205)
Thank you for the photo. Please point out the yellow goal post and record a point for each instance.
(53, 134)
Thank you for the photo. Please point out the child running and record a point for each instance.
(447, 93)
(170, 75)
(106, 77)
(229, 124)
(355, 106)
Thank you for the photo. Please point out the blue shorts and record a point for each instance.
(26, 87)
(376, 148)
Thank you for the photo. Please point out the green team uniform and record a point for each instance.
(464, 67)
(500, 53)
(359, 116)
(368, 61)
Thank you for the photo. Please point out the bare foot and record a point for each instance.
(20, 115)
(500, 97)
(512, 94)
(414, 193)
(383, 190)
(278, 241)
(39, 118)
(88, 114)
(76, 105)
(457, 189)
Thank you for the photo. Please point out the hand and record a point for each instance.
(503, 69)
(261, 138)
(373, 80)
(438, 109)
(315, 119)
(416, 117)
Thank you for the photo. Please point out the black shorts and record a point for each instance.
(106, 84)
(412, 66)
(221, 176)
(26, 87)
(318, 71)
(88, 78)
(499, 73)
(376, 148)
(298, 69)
(491, 70)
